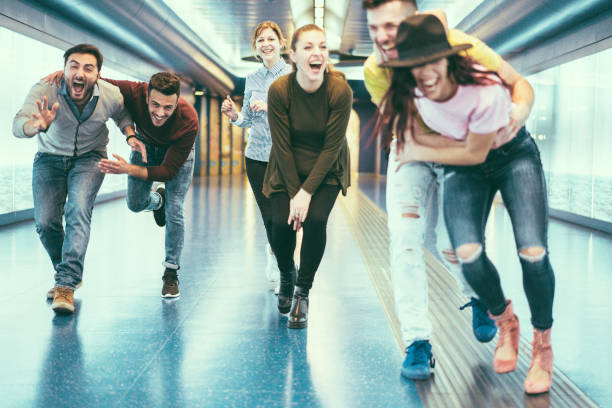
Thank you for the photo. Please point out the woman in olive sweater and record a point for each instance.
(308, 112)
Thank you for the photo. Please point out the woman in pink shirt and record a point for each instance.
(470, 109)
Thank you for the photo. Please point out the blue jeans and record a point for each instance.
(140, 198)
(516, 171)
(65, 185)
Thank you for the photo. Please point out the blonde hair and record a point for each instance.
(259, 29)
(295, 38)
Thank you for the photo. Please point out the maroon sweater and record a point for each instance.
(178, 134)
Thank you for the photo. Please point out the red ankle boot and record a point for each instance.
(539, 376)
(506, 352)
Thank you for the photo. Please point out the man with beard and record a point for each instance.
(72, 139)
(163, 150)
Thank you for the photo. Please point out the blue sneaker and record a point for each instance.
(483, 326)
(418, 361)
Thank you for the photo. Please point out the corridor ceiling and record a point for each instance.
(226, 26)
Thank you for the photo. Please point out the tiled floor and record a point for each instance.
(223, 343)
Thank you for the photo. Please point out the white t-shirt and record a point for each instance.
(476, 108)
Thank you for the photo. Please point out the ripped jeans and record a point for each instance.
(516, 171)
(414, 216)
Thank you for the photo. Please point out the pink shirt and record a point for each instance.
(477, 108)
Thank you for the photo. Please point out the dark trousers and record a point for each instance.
(256, 170)
(315, 233)
(516, 171)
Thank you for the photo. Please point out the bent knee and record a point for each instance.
(468, 253)
(532, 254)
(136, 205)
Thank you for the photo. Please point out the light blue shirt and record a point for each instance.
(256, 89)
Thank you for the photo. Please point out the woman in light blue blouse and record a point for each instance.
(268, 41)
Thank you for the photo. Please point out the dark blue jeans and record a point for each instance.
(516, 171)
(65, 185)
(140, 198)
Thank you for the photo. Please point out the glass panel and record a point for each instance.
(568, 124)
(16, 155)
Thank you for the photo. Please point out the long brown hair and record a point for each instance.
(397, 110)
(262, 26)
(295, 38)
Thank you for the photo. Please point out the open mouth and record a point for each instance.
(78, 87)
(429, 85)
(315, 67)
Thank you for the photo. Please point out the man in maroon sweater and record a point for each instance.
(162, 150)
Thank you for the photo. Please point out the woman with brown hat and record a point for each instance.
(463, 102)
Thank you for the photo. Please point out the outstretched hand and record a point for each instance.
(119, 166)
(44, 117)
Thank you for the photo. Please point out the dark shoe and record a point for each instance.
(51, 292)
(160, 213)
(285, 292)
(63, 300)
(482, 325)
(419, 361)
(171, 284)
(298, 317)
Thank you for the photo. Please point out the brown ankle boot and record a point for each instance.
(506, 352)
(539, 376)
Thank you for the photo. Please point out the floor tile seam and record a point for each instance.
(165, 343)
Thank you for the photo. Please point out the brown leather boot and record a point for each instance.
(506, 352)
(63, 301)
(539, 376)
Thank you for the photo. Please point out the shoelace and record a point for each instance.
(423, 348)
(170, 280)
(478, 312)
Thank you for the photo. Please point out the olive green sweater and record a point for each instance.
(308, 136)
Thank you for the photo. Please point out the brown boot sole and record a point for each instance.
(62, 307)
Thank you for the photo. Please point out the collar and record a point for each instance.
(64, 90)
(274, 69)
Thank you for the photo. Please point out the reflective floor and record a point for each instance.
(582, 261)
(223, 343)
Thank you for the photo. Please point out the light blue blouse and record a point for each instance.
(256, 89)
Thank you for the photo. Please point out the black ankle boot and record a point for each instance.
(298, 317)
(287, 283)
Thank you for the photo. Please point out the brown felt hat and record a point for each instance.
(421, 39)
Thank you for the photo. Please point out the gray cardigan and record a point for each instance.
(66, 134)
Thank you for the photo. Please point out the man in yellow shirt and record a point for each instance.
(414, 190)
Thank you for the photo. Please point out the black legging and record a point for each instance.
(256, 170)
(313, 241)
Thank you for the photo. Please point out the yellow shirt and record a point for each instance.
(378, 80)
